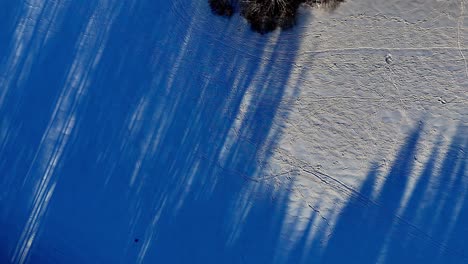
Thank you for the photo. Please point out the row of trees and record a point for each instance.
(266, 15)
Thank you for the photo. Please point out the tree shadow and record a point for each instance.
(414, 216)
(132, 130)
(404, 225)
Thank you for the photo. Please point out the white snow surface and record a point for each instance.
(365, 77)
(355, 107)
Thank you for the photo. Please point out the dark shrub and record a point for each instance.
(266, 15)
(221, 7)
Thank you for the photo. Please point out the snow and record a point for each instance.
(143, 132)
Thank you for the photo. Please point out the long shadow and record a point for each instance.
(426, 226)
(410, 218)
(131, 132)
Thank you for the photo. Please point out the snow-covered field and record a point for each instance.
(156, 132)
